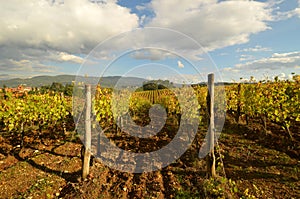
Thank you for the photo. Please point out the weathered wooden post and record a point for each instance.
(211, 160)
(62, 97)
(88, 133)
(238, 114)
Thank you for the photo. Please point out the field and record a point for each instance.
(257, 154)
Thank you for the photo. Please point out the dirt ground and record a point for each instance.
(258, 164)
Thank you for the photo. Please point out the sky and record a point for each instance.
(179, 40)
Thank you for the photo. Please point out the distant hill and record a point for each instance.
(109, 81)
(39, 81)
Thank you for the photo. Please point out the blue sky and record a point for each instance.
(233, 38)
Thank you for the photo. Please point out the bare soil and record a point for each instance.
(264, 165)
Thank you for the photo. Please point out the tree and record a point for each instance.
(157, 84)
(57, 87)
(160, 86)
(4, 88)
(296, 78)
(44, 89)
(68, 90)
(150, 86)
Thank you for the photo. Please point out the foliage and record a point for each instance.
(44, 111)
(102, 107)
(56, 87)
(150, 86)
(225, 188)
(157, 84)
(275, 101)
(137, 104)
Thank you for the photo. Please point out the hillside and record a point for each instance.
(67, 79)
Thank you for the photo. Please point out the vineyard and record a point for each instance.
(257, 155)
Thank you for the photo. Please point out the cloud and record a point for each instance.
(280, 16)
(152, 44)
(38, 31)
(10, 65)
(284, 15)
(26, 68)
(151, 54)
(28, 59)
(149, 78)
(297, 10)
(186, 78)
(230, 69)
(180, 64)
(75, 26)
(212, 23)
(278, 64)
(246, 57)
(276, 61)
(273, 3)
(140, 7)
(288, 14)
(70, 58)
(4, 76)
(257, 48)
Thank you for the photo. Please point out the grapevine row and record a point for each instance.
(277, 102)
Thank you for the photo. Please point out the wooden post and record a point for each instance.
(211, 160)
(87, 136)
(62, 96)
(98, 145)
(238, 114)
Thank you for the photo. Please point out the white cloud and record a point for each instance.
(246, 57)
(27, 59)
(17, 66)
(149, 78)
(278, 64)
(38, 31)
(273, 3)
(34, 32)
(257, 48)
(279, 15)
(186, 78)
(140, 7)
(70, 58)
(297, 10)
(75, 26)
(151, 54)
(276, 61)
(213, 24)
(229, 69)
(152, 44)
(180, 64)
